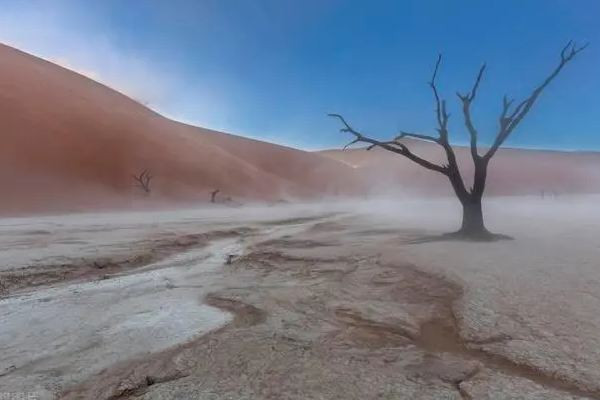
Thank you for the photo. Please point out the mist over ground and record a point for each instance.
(285, 259)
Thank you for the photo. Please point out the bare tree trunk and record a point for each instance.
(473, 225)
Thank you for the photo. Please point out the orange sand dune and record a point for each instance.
(70, 143)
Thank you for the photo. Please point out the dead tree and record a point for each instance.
(213, 195)
(143, 180)
(510, 117)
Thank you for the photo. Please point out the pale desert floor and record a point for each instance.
(346, 300)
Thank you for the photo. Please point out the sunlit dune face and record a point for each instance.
(74, 144)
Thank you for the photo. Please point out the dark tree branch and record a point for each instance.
(435, 91)
(143, 180)
(467, 99)
(451, 170)
(506, 103)
(404, 134)
(472, 224)
(442, 117)
(393, 146)
(509, 122)
(213, 195)
(440, 105)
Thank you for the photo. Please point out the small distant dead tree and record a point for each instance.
(510, 117)
(143, 180)
(213, 195)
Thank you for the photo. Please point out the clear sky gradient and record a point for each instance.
(272, 69)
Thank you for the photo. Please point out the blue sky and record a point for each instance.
(272, 69)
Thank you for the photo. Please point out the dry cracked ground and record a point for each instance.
(344, 301)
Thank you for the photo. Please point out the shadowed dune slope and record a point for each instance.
(70, 144)
(511, 171)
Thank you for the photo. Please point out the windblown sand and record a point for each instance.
(353, 300)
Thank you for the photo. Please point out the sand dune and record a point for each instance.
(70, 143)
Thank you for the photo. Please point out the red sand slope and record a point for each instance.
(69, 143)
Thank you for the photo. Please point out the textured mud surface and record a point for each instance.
(146, 252)
(344, 306)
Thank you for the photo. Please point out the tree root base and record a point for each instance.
(475, 236)
(466, 236)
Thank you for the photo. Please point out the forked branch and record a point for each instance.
(393, 146)
(467, 99)
(143, 180)
(442, 115)
(509, 120)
